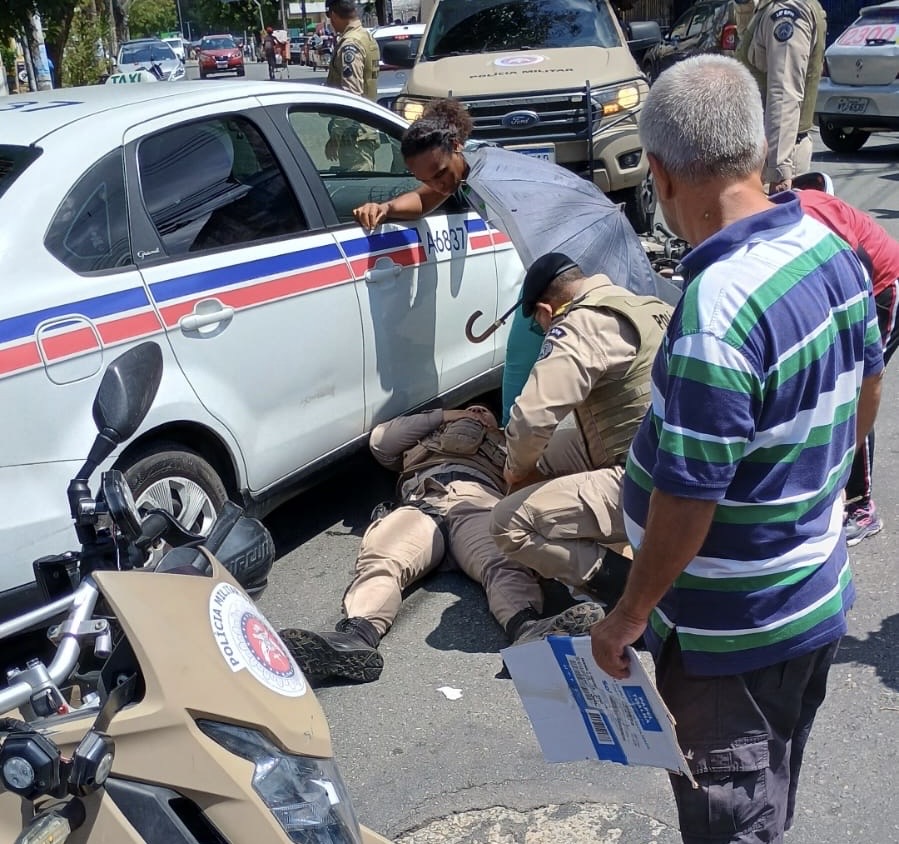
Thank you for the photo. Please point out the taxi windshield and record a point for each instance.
(481, 26)
(140, 53)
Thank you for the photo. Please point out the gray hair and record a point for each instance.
(703, 119)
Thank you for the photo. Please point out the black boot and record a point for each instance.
(607, 585)
(350, 653)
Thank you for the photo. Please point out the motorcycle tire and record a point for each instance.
(179, 480)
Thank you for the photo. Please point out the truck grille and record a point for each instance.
(563, 117)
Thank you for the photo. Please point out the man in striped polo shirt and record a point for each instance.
(768, 375)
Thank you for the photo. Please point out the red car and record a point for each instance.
(219, 54)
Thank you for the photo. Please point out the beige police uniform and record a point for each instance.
(783, 47)
(595, 363)
(354, 68)
(441, 474)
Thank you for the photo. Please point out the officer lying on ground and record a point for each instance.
(595, 362)
(451, 475)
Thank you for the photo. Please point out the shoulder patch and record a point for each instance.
(783, 31)
(545, 350)
(785, 14)
(556, 331)
(349, 54)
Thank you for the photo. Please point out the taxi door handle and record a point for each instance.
(206, 313)
(383, 271)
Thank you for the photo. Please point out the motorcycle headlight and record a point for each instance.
(307, 796)
(410, 108)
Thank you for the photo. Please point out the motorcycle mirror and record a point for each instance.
(127, 391)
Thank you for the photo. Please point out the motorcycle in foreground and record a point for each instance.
(171, 712)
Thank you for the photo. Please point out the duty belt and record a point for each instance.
(446, 478)
(801, 137)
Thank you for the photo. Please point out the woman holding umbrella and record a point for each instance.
(560, 212)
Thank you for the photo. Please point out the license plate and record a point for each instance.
(546, 153)
(852, 105)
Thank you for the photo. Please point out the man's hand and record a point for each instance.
(610, 637)
(781, 186)
(371, 214)
(331, 148)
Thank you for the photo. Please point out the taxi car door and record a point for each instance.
(255, 296)
(422, 278)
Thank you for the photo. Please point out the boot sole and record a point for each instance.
(320, 660)
(577, 620)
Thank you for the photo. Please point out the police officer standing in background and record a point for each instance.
(783, 47)
(354, 68)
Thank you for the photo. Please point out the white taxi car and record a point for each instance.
(859, 92)
(212, 221)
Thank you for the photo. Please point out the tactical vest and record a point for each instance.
(815, 61)
(357, 34)
(610, 416)
(488, 455)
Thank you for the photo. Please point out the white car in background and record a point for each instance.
(392, 79)
(209, 218)
(859, 92)
(147, 54)
(177, 45)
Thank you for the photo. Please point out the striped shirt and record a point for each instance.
(754, 396)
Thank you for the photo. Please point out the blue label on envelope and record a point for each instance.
(599, 729)
(642, 709)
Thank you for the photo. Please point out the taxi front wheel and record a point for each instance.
(178, 480)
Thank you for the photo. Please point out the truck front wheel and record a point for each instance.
(639, 204)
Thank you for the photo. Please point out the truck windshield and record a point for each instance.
(482, 26)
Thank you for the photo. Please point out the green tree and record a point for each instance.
(150, 17)
(82, 64)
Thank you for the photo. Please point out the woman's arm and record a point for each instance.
(406, 206)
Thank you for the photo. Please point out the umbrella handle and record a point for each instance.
(480, 338)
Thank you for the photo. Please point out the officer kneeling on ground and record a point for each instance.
(566, 522)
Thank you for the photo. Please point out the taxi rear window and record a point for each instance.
(13, 161)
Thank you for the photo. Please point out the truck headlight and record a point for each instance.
(307, 796)
(609, 101)
(410, 108)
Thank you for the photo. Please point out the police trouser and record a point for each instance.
(561, 527)
(407, 543)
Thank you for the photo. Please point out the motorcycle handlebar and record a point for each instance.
(83, 602)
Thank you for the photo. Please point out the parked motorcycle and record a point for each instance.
(171, 712)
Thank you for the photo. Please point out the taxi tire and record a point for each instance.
(839, 139)
(169, 460)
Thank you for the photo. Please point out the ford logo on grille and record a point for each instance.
(521, 119)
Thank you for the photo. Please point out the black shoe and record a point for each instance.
(350, 653)
(607, 585)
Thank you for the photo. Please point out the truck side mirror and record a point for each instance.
(398, 54)
(643, 35)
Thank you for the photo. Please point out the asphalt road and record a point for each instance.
(425, 769)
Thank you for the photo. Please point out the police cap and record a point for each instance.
(541, 274)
